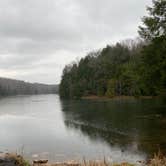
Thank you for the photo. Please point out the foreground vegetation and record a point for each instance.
(131, 68)
(13, 160)
(158, 160)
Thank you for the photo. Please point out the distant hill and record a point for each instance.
(17, 87)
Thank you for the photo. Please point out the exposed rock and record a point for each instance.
(7, 161)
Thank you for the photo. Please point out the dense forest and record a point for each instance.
(132, 67)
(16, 87)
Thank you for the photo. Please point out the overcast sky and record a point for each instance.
(38, 37)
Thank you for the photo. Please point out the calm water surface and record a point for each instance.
(44, 126)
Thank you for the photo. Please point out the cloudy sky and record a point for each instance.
(38, 37)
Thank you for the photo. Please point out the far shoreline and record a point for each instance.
(95, 97)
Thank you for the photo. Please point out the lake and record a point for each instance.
(44, 126)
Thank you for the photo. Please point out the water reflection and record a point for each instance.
(135, 125)
(46, 127)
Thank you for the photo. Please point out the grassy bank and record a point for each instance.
(17, 160)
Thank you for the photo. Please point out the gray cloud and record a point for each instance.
(38, 37)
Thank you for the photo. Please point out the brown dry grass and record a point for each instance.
(158, 160)
(19, 160)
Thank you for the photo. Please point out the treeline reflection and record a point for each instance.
(136, 125)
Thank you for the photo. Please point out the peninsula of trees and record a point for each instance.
(16, 87)
(133, 68)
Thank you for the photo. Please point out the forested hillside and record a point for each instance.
(133, 68)
(15, 87)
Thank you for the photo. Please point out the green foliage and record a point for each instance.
(25, 163)
(154, 66)
(131, 68)
(100, 73)
(130, 79)
(111, 88)
(155, 23)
